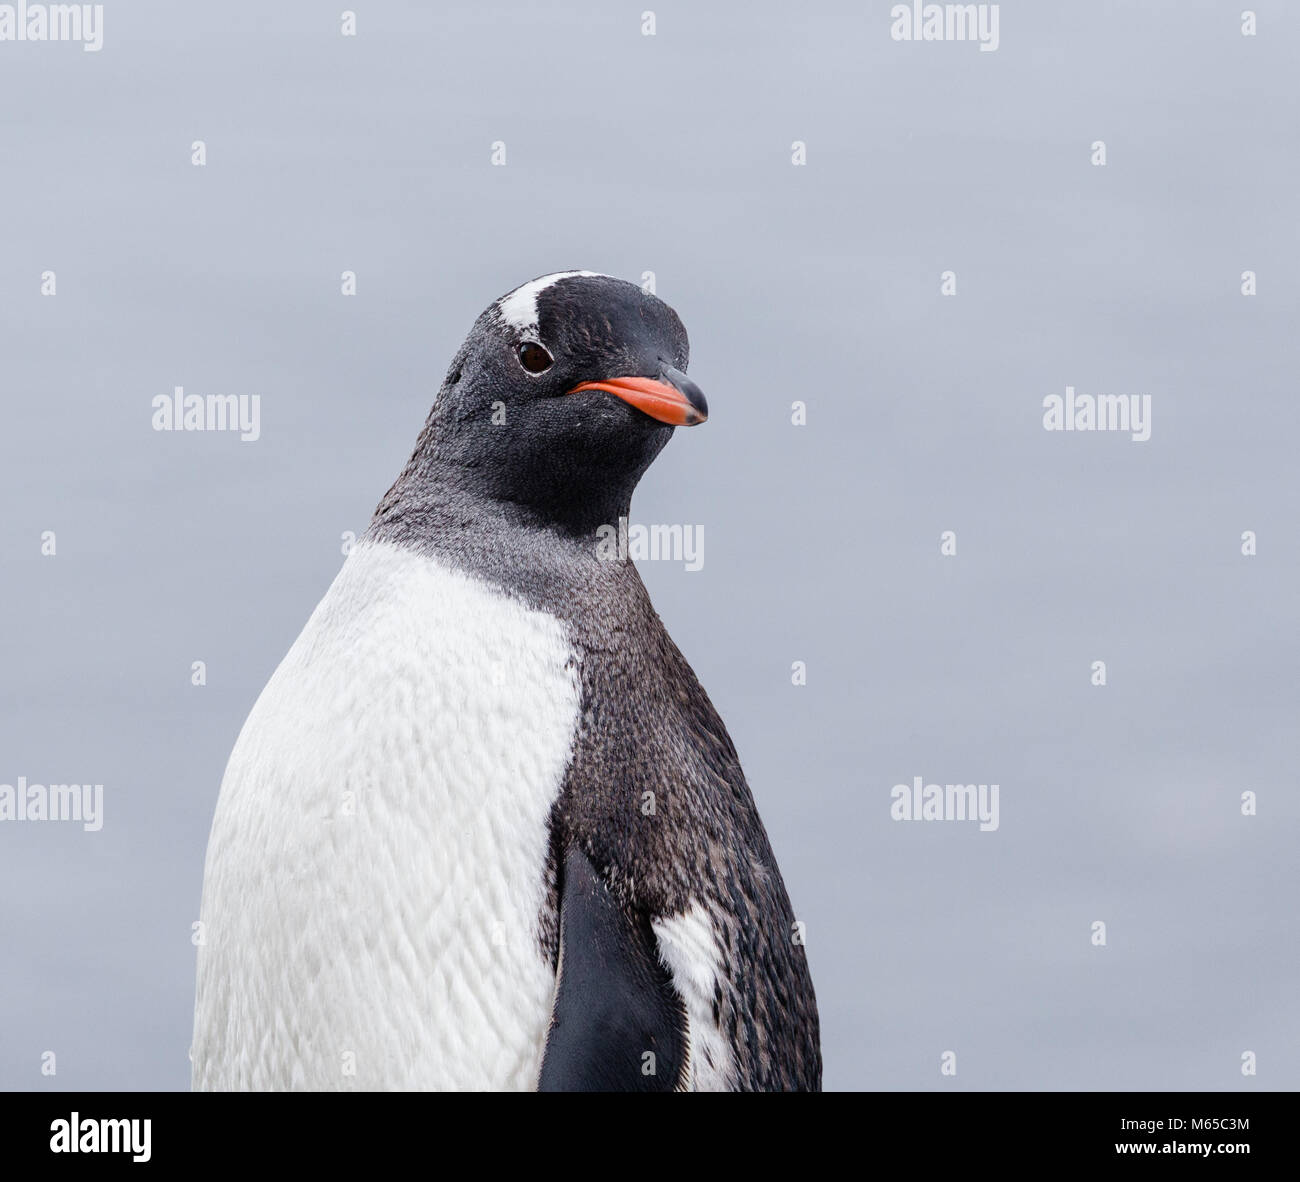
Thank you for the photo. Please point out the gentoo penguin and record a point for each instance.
(483, 828)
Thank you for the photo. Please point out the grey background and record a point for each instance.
(820, 283)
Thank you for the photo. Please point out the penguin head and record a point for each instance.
(563, 394)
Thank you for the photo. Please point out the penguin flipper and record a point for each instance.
(617, 1024)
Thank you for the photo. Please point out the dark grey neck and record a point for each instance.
(559, 568)
(565, 487)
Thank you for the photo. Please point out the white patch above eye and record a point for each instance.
(519, 308)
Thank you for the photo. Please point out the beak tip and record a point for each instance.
(697, 409)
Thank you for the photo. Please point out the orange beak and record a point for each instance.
(675, 400)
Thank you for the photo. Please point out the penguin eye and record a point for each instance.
(534, 358)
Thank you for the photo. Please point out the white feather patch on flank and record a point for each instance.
(519, 308)
(688, 946)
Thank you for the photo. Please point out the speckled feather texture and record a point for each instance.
(380, 897)
(699, 865)
(374, 882)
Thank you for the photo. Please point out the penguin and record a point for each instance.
(483, 828)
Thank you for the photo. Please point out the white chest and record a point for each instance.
(377, 860)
